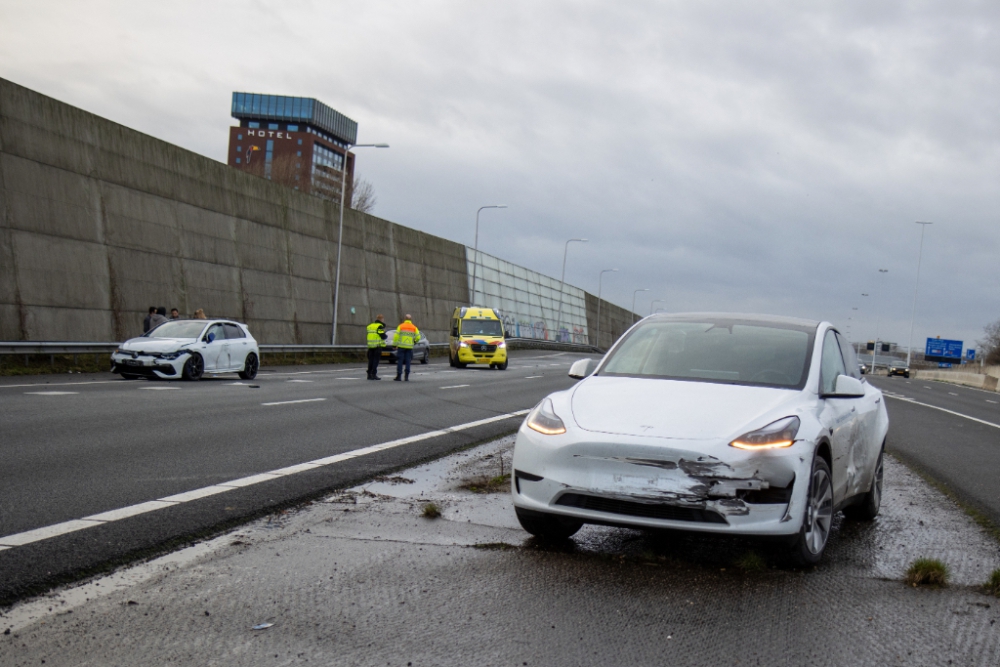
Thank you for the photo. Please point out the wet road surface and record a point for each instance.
(360, 578)
(962, 453)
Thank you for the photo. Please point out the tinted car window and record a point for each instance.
(832, 363)
(233, 331)
(850, 358)
(482, 328)
(218, 330)
(729, 351)
(184, 329)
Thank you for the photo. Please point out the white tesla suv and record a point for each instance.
(741, 424)
(188, 349)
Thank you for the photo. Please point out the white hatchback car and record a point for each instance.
(742, 424)
(188, 349)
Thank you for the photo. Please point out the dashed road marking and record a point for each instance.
(301, 400)
(52, 393)
(989, 401)
(951, 393)
(926, 387)
(532, 377)
(59, 384)
(305, 380)
(46, 532)
(455, 386)
(157, 388)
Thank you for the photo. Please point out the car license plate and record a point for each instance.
(133, 362)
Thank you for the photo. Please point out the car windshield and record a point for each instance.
(726, 351)
(482, 328)
(184, 329)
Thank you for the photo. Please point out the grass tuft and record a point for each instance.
(497, 484)
(431, 511)
(992, 584)
(927, 572)
(751, 561)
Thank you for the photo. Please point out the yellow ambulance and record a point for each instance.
(477, 337)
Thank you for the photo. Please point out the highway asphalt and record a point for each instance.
(82, 445)
(945, 441)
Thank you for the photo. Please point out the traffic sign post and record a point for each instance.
(943, 350)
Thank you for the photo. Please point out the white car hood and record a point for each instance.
(672, 408)
(156, 344)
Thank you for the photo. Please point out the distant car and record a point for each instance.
(723, 423)
(189, 349)
(421, 350)
(899, 368)
(862, 367)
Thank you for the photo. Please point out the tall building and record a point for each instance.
(297, 141)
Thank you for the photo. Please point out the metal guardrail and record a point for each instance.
(67, 347)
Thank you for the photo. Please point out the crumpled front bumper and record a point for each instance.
(148, 366)
(662, 483)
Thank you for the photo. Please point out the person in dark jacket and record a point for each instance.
(175, 314)
(157, 318)
(145, 320)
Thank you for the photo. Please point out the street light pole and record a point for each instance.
(562, 282)
(878, 318)
(475, 252)
(644, 289)
(340, 232)
(916, 284)
(600, 277)
(655, 301)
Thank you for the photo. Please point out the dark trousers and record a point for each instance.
(374, 357)
(403, 357)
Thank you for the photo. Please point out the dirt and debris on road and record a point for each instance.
(362, 578)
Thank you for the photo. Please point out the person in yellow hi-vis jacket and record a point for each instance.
(407, 335)
(376, 341)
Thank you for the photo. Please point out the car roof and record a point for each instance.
(743, 317)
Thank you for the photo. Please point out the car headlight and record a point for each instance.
(463, 344)
(172, 355)
(501, 345)
(773, 436)
(545, 420)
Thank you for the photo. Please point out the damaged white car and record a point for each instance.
(189, 349)
(741, 424)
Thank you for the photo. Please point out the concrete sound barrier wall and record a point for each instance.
(98, 222)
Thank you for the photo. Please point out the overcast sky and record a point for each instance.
(750, 156)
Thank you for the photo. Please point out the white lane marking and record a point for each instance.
(447, 371)
(290, 381)
(52, 393)
(455, 386)
(346, 378)
(926, 387)
(235, 384)
(950, 412)
(59, 384)
(952, 393)
(27, 537)
(158, 388)
(989, 401)
(532, 377)
(301, 400)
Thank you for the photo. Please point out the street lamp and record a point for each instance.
(878, 317)
(600, 277)
(340, 232)
(475, 253)
(644, 289)
(655, 301)
(562, 281)
(916, 283)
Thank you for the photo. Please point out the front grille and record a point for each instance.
(645, 510)
(484, 348)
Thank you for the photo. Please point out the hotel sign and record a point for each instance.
(269, 134)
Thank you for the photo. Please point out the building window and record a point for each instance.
(238, 160)
(239, 137)
(253, 124)
(298, 153)
(300, 142)
(293, 128)
(272, 126)
(239, 149)
(268, 158)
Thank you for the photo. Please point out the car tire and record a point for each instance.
(451, 360)
(426, 358)
(250, 367)
(547, 527)
(868, 508)
(809, 544)
(502, 366)
(194, 367)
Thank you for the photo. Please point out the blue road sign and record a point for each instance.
(944, 349)
(970, 355)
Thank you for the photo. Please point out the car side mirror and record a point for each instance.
(582, 368)
(847, 387)
(210, 337)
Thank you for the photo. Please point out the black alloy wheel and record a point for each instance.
(818, 519)
(194, 367)
(250, 368)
